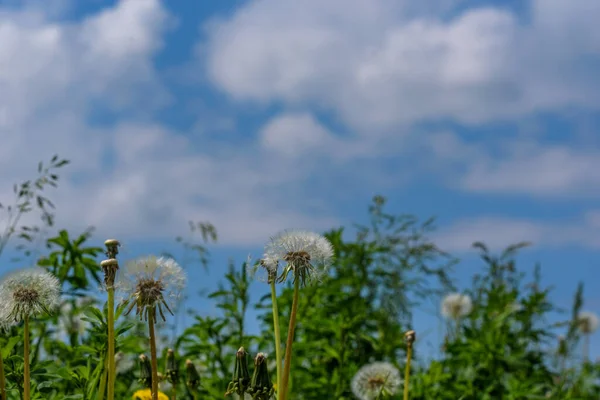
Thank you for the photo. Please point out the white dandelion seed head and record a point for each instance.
(456, 305)
(587, 322)
(376, 378)
(151, 282)
(307, 254)
(28, 293)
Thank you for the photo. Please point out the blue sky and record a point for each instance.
(263, 115)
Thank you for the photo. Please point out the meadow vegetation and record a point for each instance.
(336, 318)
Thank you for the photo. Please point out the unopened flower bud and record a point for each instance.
(145, 371)
(172, 369)
(261, 387)
(192, 379)
(241, 377)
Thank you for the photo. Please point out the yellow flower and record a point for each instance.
(146, 394)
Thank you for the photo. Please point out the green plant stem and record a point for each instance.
(407, 370)
(103, 379)
(285, 378)
(153, 359)
(26, 377)
(111, 344)
(2, 379)
(277, 334)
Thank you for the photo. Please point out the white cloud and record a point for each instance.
(378, 67)
(130, 178)
(499, 232)
(558, 171)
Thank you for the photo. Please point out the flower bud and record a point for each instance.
(261, 387)
(172, 369)
(192, 379)
(241, 377)
(145, 371)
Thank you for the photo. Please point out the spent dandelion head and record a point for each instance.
(376, 380)
(28, 293)
(456, 305)
(151, 284)
(264, 270)
(307, 255)
(587, 322)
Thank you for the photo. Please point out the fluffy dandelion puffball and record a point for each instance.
(28, 293)
(587, 322)
(152, 284)
(456, 305)
(374, 379)
(307, 255)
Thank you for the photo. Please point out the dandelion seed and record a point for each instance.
(151, 284)
(373, 380)
(308, 255)
(456, 306)
(587, 322)
(28, 294)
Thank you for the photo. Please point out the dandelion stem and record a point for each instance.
(111, 344)
(290, 340)
(153, 360)
(26, 377)
(277, 333)
(2, 379)
(407, 369)
(586, 348)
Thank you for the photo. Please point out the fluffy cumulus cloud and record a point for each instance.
(351, 80)
(379, 64)
(131, 176)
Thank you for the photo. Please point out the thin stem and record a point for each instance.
(103, 379)
(153, 360)
(277, 334)
(26, 377)
(111, 344)
(285, 378)
(407, 369)
(2, 379)
(586, 348)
